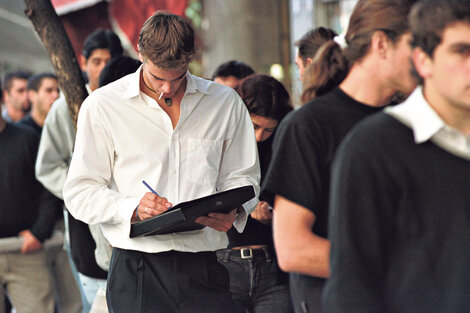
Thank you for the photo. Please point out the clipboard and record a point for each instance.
(181, 217)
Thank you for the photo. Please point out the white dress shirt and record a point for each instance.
(124, 137)
(426, 124)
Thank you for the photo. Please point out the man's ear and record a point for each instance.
(308, 61)
(380, 43)
(32, 96)
(82, 63)
(422, 62)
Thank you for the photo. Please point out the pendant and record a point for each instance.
(168, 101)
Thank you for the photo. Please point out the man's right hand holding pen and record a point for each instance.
(150, 205)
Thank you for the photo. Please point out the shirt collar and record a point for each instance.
(417, 114)
(193, 84)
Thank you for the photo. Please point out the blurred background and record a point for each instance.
(260, 33)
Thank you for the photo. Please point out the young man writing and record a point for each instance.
(187, 137)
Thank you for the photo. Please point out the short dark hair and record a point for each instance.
(9, 77)
(429, 18)
(167, 40)
(35, 81)
(102, 39)
(312, 40)
(118, 67)
(265, 96)
(234, 68)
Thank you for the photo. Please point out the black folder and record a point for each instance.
(181, 217)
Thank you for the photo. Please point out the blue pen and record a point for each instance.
(150, 188)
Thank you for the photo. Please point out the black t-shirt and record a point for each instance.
(28, 121)
(399, 224)
(303, 150)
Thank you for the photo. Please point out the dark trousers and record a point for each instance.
(256, 282)
(306, 293)
(167, 282)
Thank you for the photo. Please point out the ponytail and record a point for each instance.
(328, 70)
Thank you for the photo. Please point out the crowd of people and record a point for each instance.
(360, 193)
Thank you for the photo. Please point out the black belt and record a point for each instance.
(249, 253)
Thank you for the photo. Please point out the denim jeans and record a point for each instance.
(256, 282)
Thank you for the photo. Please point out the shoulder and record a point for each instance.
(378, 134)
(23, 133)
(216, 97)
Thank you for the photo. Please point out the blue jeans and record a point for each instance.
(256, 282)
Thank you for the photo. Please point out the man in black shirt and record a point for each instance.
(23, 213)
(307, 139)
(43, 90)
(399, 214)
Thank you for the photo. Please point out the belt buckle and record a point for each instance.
(248, 255)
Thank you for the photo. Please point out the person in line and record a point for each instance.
(377, 55)
(15, 99)
(25, 213)
(399, 238)
(186, 137)
(307, 47)
(43, 90)
(55, 152)
(256, 282)
(231, 72)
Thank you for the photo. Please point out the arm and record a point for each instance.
(55, 148)
(87, 186)
(298, 249)
(239, 166)
(50, 211)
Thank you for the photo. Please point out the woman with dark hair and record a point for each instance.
(368, 69)
(256, 282)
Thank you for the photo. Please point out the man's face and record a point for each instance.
(400, 65)
(301, 66)
(17, 96)
(230, 81)
(166, 81)
(447, 74)
(94, 65)
(47, 93)
(264, 127)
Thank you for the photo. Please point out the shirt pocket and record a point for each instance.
(203, 161)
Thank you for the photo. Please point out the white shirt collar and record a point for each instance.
(416, 113)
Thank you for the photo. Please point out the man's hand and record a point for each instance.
(30, 243)
(262, 213)
(150, 205)
(218, 221)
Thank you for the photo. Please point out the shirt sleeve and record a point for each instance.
(360, 207)
(240, 163)
(296, 168)
(55, 148)
(86, 192)
(50, 211)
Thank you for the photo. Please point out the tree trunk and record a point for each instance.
(54, 38)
